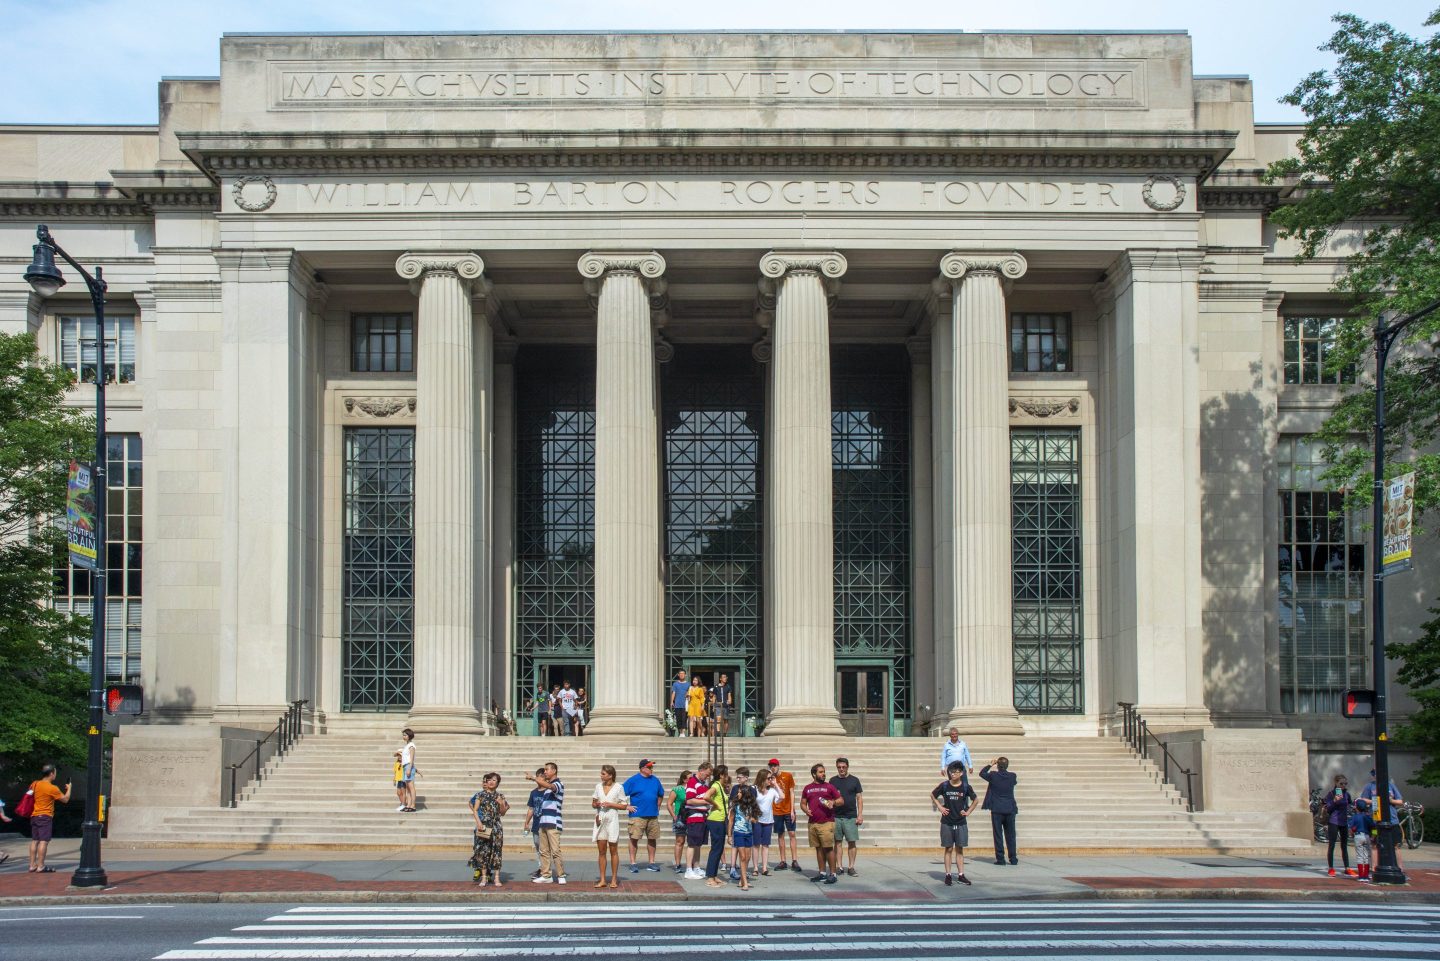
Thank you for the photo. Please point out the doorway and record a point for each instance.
(709, 675)
(549, 675)
(863, 694)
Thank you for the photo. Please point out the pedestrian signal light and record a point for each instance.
(124, 699)
(1359, 704)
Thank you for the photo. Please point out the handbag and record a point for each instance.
(26, 807)
(485, 833)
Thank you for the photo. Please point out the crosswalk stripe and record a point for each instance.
(690, 909)
(688, 940)
(826, 923)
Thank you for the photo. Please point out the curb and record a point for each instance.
(1400, 896)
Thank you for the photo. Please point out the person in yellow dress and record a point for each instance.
(695, 707)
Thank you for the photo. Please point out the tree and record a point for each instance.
(44, 697)
(1370, 157)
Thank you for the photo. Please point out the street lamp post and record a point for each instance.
(46, 279)
(1388, 870)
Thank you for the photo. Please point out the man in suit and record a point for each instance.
(1000, 802)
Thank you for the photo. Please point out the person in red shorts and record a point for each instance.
(42, 820)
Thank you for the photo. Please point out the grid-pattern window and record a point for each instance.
(382, 342)
(1040, 343)
(714, 400)
(1322, 602)
(555, 512)
(1047, 638)
(74, 589)
(379, 568)
(78, 349)
(870, 471)
(1308, 343)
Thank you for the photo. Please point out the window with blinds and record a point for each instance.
(78, 349)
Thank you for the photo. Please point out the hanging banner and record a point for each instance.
(1397, 514)
(80, 516)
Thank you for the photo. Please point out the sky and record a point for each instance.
(98, 61)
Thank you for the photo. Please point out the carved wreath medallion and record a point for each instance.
(1044, 408)
(1164, 199)
(380, 407)
(254, 193)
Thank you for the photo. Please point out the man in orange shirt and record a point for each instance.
(42, 820)
(785, 814)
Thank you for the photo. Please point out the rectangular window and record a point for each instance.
(379, 567)
(1047, 636)
(123, 556)
(1308, 343)
(1040, 343)
(1322, 596)
(78, 349)
(382, 342)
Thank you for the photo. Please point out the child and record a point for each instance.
(950, 798)
(677, 807)
(744, 813)
(742, 779)
(1361, 826)
(399, 782)
(532, 822)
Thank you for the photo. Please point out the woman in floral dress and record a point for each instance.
(488, 806)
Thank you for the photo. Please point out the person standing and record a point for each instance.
(696, 809)
(744, 813)
(4, 819)
(849, 813)
(1371, 793)
(552, 823)
(676, 800)
(955, 749)
(608, 801)
(820, 799)
(557, 713)
(717, 822)
(407, 772)
(742, 783)
(1361, 827)
(724, 704)
(955, 799)
(42, 817)
(785, 815)
(766, 794)
(532, 820)
(679, 690)
(695, 707)
(488, 806)
(644, 791)
(1000, 802)
(582, 708)
(1337, 824)
(568, 697)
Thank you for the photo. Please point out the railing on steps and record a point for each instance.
(1138, 735)
(286, 733)
(714, 740)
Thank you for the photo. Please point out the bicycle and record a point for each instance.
(1317, 812)
(1412, 824)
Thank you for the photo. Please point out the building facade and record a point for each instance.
(909, 379)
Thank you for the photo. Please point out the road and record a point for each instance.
(761, 931)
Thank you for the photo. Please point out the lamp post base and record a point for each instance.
(1387, 870)
(90, 873)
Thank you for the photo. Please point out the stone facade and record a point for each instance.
(636, 196)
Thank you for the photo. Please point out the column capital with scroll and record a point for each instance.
(415, 265)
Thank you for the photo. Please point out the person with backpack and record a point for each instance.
(40, 799)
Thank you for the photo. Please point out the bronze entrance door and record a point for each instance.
(863, 695)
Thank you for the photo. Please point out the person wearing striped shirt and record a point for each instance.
(552, 823)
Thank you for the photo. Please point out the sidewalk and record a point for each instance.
(176, 875)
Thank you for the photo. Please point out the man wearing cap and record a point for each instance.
(785, 814)
(644, 791)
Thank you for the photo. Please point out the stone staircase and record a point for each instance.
(1077, 795)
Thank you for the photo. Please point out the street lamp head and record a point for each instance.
(42, 274)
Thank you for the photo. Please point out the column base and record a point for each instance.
(984, 719)
(445, 719)
(784, 721)
(625, 720)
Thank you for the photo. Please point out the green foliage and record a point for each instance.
(43, 696)
(1370, 159)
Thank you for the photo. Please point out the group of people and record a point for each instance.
(561, 711)
(705, 710)
(740, 818)
(1354, 817)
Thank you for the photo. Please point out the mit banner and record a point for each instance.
(1398, 517)
(80, 516)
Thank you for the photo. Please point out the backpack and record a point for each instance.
(26, 807)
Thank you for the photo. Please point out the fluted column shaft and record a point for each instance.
(627, 684)
(801, 673)
(445, 491)
(980, 494)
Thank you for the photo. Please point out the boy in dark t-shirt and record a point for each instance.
(954, 799)
(532, 819)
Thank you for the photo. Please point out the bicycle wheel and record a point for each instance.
(1320, 830)
(1414, 830)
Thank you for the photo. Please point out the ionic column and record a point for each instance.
(445, 490)
(801, 673)
(978, 469)
(627, 687)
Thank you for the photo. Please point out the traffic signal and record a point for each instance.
(1359, 704)
(125, 699)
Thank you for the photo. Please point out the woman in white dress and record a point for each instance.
(608, 801)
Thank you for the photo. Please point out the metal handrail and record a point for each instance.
(1138, 735)
(714, 740)
(286, 733)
